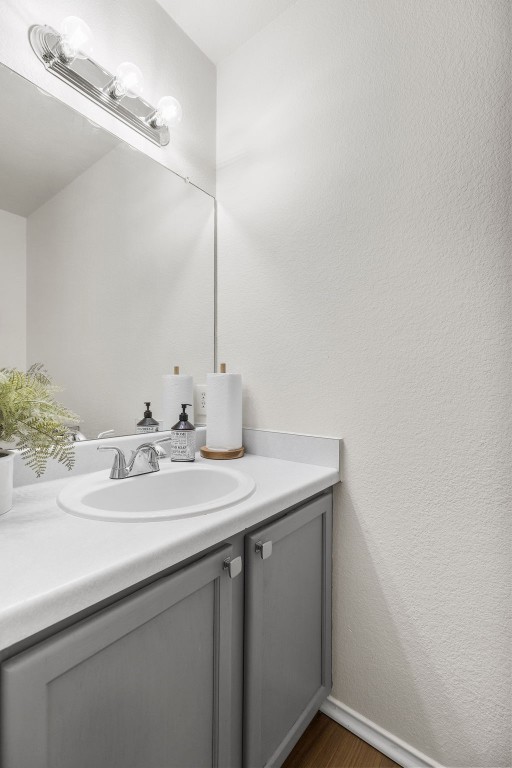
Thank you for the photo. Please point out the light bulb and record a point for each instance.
(76, 39)
(168, 112)
(128, 81)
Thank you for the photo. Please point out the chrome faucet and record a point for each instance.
(75, 435)
(144, 459)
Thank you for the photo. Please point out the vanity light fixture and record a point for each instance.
(66, 54)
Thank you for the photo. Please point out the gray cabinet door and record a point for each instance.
(143, 684)
(287, 630)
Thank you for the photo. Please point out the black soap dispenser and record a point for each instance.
(183, 438)
(148, 423)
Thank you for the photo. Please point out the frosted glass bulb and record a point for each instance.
(76, 39)
(129, 80)
(168, 112)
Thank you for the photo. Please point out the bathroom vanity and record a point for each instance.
(199, 642)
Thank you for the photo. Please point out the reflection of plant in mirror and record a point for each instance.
(30, 415)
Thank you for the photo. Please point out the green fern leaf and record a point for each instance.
(31, 416)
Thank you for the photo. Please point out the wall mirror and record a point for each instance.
(106, 262)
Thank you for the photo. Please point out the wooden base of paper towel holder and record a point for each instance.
(208, 453)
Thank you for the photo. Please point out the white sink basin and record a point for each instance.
(177, 490)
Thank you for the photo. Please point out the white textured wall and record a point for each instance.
(13, 293)
(364, 287)
(131, 30)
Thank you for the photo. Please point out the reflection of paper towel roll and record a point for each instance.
(224, 407)
(176, 389)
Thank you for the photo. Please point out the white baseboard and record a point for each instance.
(377, 737)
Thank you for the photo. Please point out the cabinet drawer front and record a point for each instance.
(288, 619)
(118, 689)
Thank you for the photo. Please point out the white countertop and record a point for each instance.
(53, 565)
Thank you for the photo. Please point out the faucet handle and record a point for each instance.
(119, 469)
(161, 453)
(151, 452)
(105, 433)
(158, 446)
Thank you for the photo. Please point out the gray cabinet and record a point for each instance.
(164, 677)
(143, 684)
(287, 630)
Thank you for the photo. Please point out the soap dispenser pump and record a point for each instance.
(183, 437)
(148, 423)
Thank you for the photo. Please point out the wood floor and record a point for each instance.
(325, 744)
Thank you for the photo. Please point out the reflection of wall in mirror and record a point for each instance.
(13, 303)
(120, 287)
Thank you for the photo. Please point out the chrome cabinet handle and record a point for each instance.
(233, 566)
(264, 548)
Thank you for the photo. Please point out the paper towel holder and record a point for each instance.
(211, 453)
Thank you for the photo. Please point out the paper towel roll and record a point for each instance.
(176, 389)
(224, 411)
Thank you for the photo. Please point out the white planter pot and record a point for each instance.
(6, 475)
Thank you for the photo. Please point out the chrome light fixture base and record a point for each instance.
(91, 79)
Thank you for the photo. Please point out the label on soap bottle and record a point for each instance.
(183, 445)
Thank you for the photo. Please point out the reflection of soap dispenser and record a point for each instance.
(183, 438)
(148, 423)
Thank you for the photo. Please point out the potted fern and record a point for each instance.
(34, 423)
